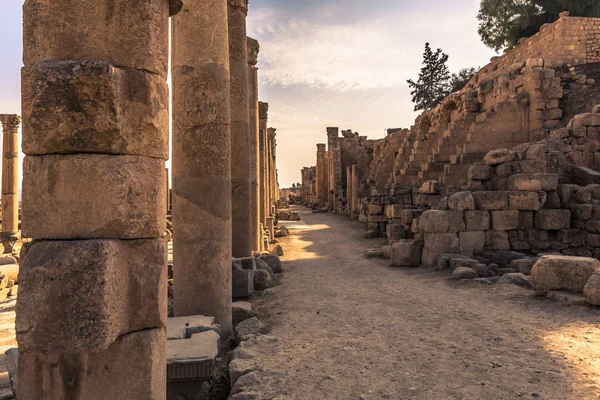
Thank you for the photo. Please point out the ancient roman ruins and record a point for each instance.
(135, 280)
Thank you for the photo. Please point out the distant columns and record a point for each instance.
(355, 184)
(272, 170)
(10, 181)
(263, 111)
(92, 308)
(349, 190)
(240, 133)
(202, 162)
(322, 175)
(253, 49)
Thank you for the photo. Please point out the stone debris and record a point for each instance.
(241, 311)
(566, 273)
(192, 359)
(248, 328)
(184, 327)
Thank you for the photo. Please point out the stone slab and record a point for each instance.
(185, 327)
(192, 359)
(93, 196)
(79, 296)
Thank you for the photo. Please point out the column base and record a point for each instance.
(11, 242)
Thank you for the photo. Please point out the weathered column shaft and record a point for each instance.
(10, 175)
(355, 184)
(92, 308)
(263, 109)
(202, 162)
(272, 170)
(269, 174)
(322, 175)
(240, 136)
(253, 49)
(349, 190)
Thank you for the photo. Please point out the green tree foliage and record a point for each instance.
(460, 80)
(503, 22)
(432, 85)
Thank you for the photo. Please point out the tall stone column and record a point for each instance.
(92, 309)
(322, 175)
(10, 181)
(272, 170)
(240, 134)
(355, 184)
(253, 49)
(263, 111)
(349, 190)
(202, 162)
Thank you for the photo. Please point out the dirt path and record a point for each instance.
(346, 327)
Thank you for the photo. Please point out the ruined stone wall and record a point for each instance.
(309, 193)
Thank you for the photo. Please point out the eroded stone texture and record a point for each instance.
(133, 367)
(202, 163)
(98, 30)
(254, 140)
(93, 107)
(93, 196)
(88, 293)
(240, 141)
(563, 273)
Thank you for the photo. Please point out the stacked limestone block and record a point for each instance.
(95, 114)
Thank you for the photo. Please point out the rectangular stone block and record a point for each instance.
(406, 253)
(497, 240)
(489, 201)
(108, 110)
(93, 196)
(525, 201)
(133, 367)
(505, 220)
(113, 33)
(80, 296)
(441, 242)
(192, 359)
(377, 218)
(477, 220)
(456, 221)
(434, 221)
(551, 220)
(471, 241)
(242, 282)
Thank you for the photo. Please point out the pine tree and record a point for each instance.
(432, 85)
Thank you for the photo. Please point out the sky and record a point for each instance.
(323, 63)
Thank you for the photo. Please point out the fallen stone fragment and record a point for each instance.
(278, 250)
(244, 382)
(518, 279)
(12, 365)
(241, 311)
(461, 273)
(592, 289)
(273, 261)
(374, 253)
(406, 253)
(499, 156)
(563, 273)
(192, 359)
(248, 327)
(261, 264)
(262, 279)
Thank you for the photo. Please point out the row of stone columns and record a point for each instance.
(92, 309)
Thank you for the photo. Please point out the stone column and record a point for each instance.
(10, 182)
(263, 110)
(355, 184)
(349, 190)
(202, 163)
(240, 136)
(322, 175)
(253, 49)
(92, 309)
(272, 174)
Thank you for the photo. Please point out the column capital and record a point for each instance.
(253, 49)
(321, 147)
(10, 122)
(271, 133)
(241, 4)
(263, 110)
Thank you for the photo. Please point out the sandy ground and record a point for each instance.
(347, 327)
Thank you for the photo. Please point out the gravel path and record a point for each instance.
(346, 327)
